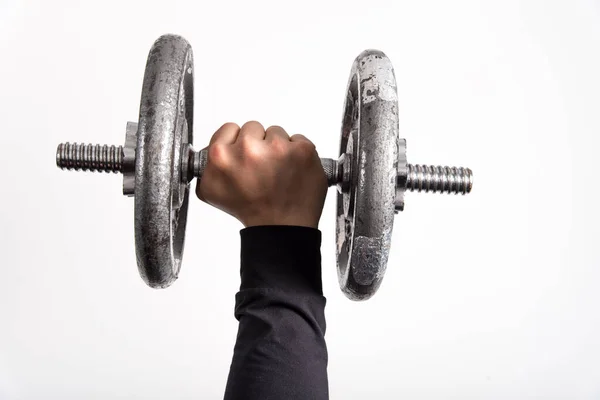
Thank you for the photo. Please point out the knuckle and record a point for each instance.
(275, 128)
(305, 149)
(229, 126)
(247, 142)
(251, 149)
(252, 125)
(280, 147)
(300, 138)
(217, 155)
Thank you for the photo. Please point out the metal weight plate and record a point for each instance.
(165, 124)
(365, 207)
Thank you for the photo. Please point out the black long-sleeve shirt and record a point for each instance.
(280, 351)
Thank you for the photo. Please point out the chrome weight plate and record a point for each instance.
(165, 125)
(365, 207)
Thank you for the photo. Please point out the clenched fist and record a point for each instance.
(264, 177)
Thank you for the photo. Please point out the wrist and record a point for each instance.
(283, 220)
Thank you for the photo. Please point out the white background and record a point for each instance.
(495, 295)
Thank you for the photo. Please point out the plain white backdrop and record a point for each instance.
(495, 295)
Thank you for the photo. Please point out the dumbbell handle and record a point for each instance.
(104, 158)
(333, 170)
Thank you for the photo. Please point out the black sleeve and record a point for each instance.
(280, 351)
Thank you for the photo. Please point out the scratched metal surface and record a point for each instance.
(365, 211)
(165, 124)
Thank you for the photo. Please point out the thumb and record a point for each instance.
(199, 193)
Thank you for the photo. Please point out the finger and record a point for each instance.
(251, 130)
(203, 188)
(226, 134)
(302, 142)
(299, 138)
(210, 184)
(275, 133)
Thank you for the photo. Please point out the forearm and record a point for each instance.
(280, 351)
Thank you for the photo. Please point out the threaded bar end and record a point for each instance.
(89, 157)
(437, 179)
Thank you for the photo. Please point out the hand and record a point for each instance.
(264, 177)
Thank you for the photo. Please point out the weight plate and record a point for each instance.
(365, 207)
(165, 125)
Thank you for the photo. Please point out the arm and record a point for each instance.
(275, 185)
(280, 351)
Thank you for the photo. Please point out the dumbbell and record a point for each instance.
(371, 173)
